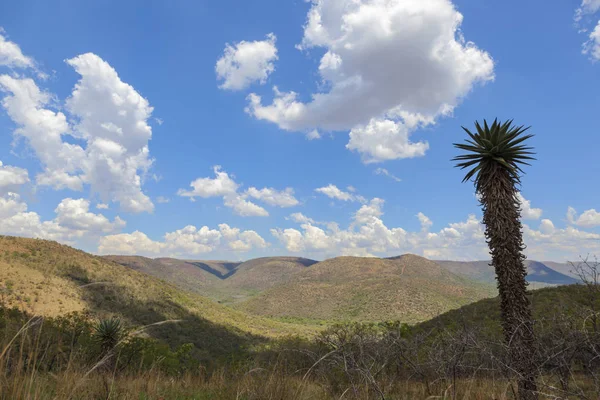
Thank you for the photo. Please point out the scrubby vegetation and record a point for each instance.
(459, 354)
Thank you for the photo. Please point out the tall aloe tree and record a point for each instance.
(494, 156)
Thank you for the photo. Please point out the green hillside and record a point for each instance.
(408, 288)
(49, 279)
(485, 314)
(202, 277)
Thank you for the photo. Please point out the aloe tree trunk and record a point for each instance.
(502, 219)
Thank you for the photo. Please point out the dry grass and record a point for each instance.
(251, 385)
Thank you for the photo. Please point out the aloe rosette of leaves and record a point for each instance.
(107, 333)
(493, 157)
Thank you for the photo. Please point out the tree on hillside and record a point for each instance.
(494, 158)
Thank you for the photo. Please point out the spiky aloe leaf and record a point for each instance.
(491, 148)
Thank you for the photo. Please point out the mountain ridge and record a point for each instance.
(481, 270)
(408, 288)
(538, 272)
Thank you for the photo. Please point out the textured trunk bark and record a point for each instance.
(501, 217)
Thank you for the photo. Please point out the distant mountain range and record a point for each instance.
(408, 287)
(539, 274)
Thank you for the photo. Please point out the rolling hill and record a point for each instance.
(538, 273)
(255, 276)
(49, 279)
(484, 315)
(201, 277)
(564, 268)
(224, 281)
(408, 288)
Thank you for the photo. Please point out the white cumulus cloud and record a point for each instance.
(219, 186)
(223, 185)
(11, 54)
(588, 219)
(369, 235)
(11, 178)
(129, 244)
(274, 197)
(246, 62)
(75, 214)
(108, 115)
(386, 63)
(383, 140)
(188, 241)
(243, 207)
(528, 212)
(73, 221)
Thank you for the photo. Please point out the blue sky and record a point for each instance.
(111, 111)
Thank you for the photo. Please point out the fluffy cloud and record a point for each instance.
(333, 192)
(368, 235)
(11, 178)
(113, 119)
(110, 117)
(247, 62)
(17, 221)
(11, 54)
(73, 220)
(191, 240)
(188, 241)
(384, 139)
(527, 212)
(220, 186)
(273, 197)
(223, 185)
(11, 205)
(42, 129)
(549, 242)
(129, 243)
(238, 240)
(386, 63)
(588, 219)
(243, 207)
(75, 215)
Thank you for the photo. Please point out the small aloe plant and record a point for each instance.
(107, 333)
